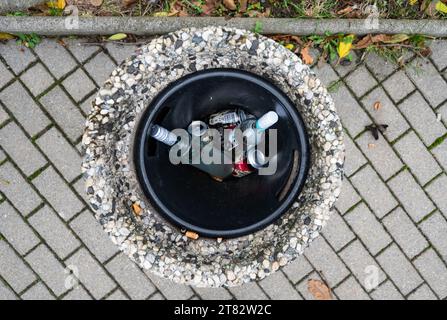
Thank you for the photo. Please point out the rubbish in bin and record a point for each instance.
(163, 135)
(255, 160)
(229, 117)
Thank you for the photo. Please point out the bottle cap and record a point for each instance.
(267, 120)
(256, 158)
(197, 128)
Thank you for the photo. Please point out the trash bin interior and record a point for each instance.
(190, 198)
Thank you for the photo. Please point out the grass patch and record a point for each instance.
(437, 142)
(37, 173)
(334, 86)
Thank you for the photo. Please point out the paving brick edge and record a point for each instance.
(58, 26)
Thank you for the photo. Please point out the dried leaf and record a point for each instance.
(369, 39)
(319, 290)
(96, 3)
(307, 58)
(6, 36)
(117, 37)
(161, 14)
(57, 4)
(345, 45)
(377, 105)
(136, 209)
(242, 6)
(192, 235)
(397, 38)
(413, 2)
(229, 4)
(128, 3)
(209, 6)
(345, 10)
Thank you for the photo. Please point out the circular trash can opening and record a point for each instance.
(190, 198)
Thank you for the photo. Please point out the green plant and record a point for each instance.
(197, 9)
(258, 27)
(28, 40)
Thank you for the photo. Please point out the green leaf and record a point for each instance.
(441, 7)
(258, 27)
(117, 37)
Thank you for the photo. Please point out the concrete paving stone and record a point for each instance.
(428, 80)
(387, 114)
(37, 292)
(379, 66)
(248, 291)
(49, 269)
(337, 232)
(434, 271)
(362, 265)
(368, 228)
(344, 69)
(422, 293)
(130, 277)
(58, 194)
(422, 118)
(326, 74)
(39, 73)
(352, 116)
(5, 75)
(13, 270)
(278, 287)
(3, 115)
(90, 231)
(117, 295)
(25, 109)
(48, 50)
(171, 290)
(348, 197)
(157, 296)
(213, 293)
(405, 233)
(399, 269)
(382, 156)
(374, 191)
(17, 190)
(439, 53)
(440, 153)
(354, 159)
(435, 229)
(79, 187)
(443, 112)
(17, 57)
(351, 290)
(91, 274)
(360, 81)
(437, 191)
(6, 293)
(417, 158)
(386, 291)
(297, 269)
(78, 293)
(398, 86)
(2, 156)
(86, 106)
(78, 85)
(411, 195)
(54, 231)
(63, 156)
(303, 289)
(64, 112)
(100, 68)
(20, 149)
(120, 52)
(15, 230)
(325, 261)
(79, 50)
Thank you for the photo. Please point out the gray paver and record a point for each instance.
(337, 232)
(13, 228)
(348, 197)
(297, 269)
(78, 84)
(54, 231)
(326, 74)
(130, 277)
(386, 291)
(37, 292)
(19, 148)
(17, 190)
(25, 109)
(440, 152)
(13, 270)
(435, 228)
(171, 290)
(3, 115)
(351, 290)
(80, 51)
(29, 79)
(91, 274)
(48, 50)
(422, 293)
(64, 200)
(437, 190)
(360, 81)
(399, 269)
(100, 68)
(277, 286)
(379, 66)
(381, 155)
(368, 228)
(422, 118)
(374, 191)
(434, 271)
(248, 291)
(411, 195)
(117, 295)
(5, 75)
(92, 234)
(17, 57)
(78, 293)
(86, 106)
(439, 53)
(64, 112)
(213, 293)
(354, 158)
(398, 86)
(417, 157)
(405, 232)
(157, 296)
(344, 69)
(388, 114)
(6, 293)
(120, 52)
(61, 153)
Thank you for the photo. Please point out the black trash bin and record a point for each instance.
(188, 197)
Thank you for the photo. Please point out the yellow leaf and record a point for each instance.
(344, 46)
(117, 37)
(57, 4)
(289, 46)
(413, 2)
(161, 14)
(6, 36)
(441, 7)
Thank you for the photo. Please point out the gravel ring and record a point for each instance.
(111, 183)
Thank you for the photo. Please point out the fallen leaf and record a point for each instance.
(319, 290)
(345, 10)
(307, 58)
(128, 3)
(161, 14)
(229, 4)
(192, 235)
(369, 39)
(6, 36)
(117, 37)
(209, 6)
(57, 4)
(96, 3)
(413, 2)
(441, 7)
(397, 38)
(136, 209)
(345, 45)
(289, 46)
(242, 5)
(377, 105)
